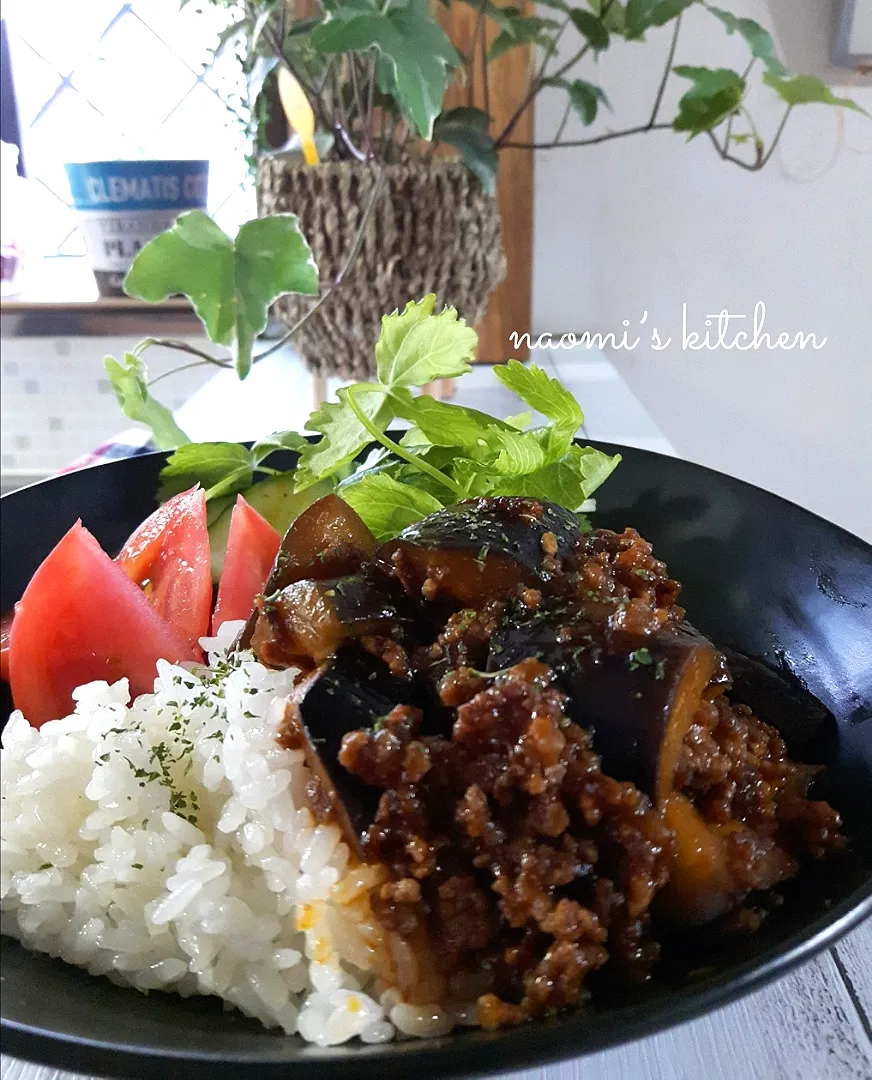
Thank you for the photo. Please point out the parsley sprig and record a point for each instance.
(448, 453)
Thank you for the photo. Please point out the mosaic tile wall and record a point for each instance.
(55, 402)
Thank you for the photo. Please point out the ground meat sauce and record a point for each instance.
(507, 844)
(516, 867)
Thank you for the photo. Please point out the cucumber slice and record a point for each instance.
(273, 498)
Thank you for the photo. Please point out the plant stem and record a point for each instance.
(337, 281)
(370, 94)
(340, 121)
(485, 85)
(556, 140)
(181, 346)
(477, 32)
(536, 84)
(777, 137)
(183, 367)
(593, 140)
(399, 451)
(358, 103)
(669, 61)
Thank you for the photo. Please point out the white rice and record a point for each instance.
(166, 844)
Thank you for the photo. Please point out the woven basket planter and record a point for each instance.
(432, 229)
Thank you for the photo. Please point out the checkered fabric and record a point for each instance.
(131, 443)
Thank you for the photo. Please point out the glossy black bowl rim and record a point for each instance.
(452, 1056)
(510, 1049)
(599, 444)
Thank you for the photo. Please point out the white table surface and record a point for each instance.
(814, 1024)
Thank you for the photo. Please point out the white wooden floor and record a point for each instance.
(815, 1024)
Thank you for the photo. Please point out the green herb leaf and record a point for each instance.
(230, 283)
(716, 94)
(641, 15)
(467, 129)
(807, 90)
(443, 424)
(590, 27)
(759, 41)
(640, 658)
(223, 468)
(279, 440)
(131, 388)
(388, 506)
(520, 421)
(569, 481)
(416, 347)
(545, 395)
(343, 434)
(520, 453)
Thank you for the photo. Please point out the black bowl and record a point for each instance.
(760, 575)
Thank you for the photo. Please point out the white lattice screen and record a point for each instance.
(105, 80)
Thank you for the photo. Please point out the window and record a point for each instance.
(106, 80)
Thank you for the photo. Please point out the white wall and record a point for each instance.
(650, 223)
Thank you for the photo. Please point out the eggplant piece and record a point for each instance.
(327, 540)
(480, 549)
(308, 620)
(638, 693)
(700, 886)
(351, 690)
(780, 699)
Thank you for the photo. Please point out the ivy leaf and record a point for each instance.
(521, 31)
(584, 96)
(545, 395)
(613, 16)
(230, 283)
(759, 41)
(716, 94)
(344, 436)
(807, 90)
(467, 129)
(641, 15)
(386, 505)
(222, 468)
(416, 347)
(590, 27)
(131, 388)
(416, 47)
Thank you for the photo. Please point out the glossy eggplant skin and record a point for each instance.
(481, 549)
(782, 700)
(637, 693)
(308, 620)
(351, 690)
(327, 540)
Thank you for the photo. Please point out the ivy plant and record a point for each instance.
(375, 74)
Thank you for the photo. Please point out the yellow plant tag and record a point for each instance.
(299, 113)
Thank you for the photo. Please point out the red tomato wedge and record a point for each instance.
(169, 555)
(5, 631)
(252, 546)
(81, 619)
